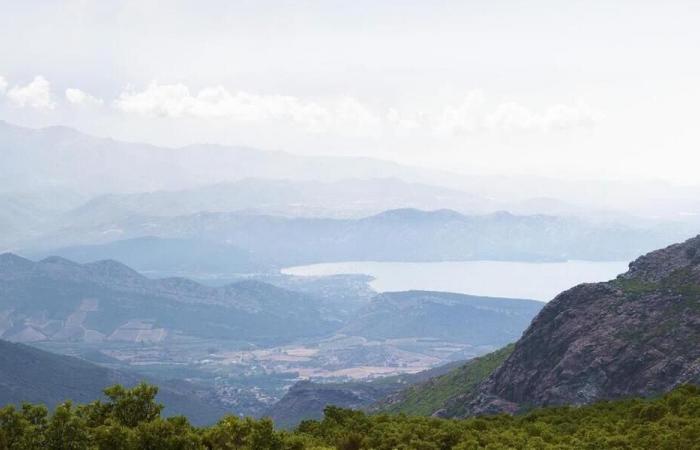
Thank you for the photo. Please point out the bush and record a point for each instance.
(131, 420)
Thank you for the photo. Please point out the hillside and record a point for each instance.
(31, 375)
(442, 315)
(59, 300)
(307, 400)
(437, 393)
(637, 335)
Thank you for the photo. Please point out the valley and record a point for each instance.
(284, 225)
(111, 315)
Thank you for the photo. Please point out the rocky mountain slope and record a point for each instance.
(637, 335)
(31, 375)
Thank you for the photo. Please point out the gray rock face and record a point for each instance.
(637, 335)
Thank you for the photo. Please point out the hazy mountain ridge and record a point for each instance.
(63, 158)
(443, 315)
(349, 198)
(395, 235)
(57, 299)
(166, 256)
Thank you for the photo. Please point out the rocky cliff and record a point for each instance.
(637, 335)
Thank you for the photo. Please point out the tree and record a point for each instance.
(130, 407)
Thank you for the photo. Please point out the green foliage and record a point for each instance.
(130, 420)
(130, 407)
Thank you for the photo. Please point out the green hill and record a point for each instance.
(436, 394)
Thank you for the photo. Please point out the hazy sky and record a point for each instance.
(560, 88)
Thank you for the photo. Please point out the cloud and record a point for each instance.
(346, 115)
(349, 116)
(3, 85)
(513, 117)
(473, 114)
(79, 97)
(36, 94)
(462, 118)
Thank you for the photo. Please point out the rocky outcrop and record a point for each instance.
(637, 335)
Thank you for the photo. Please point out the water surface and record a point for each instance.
(538, 281)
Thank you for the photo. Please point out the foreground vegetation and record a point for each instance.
(131, 419)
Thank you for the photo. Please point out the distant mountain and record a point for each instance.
(27, 215)
(166, 256)
(306, 399)
(395, 235)
(61, 157)
(478, 321)
(59, 300)
(31, 375)
(637, 335)
(350, 198)
(64, 158)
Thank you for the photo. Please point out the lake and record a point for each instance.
(537, 281)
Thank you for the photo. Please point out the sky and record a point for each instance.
(565, 89)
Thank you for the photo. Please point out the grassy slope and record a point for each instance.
(425, 398)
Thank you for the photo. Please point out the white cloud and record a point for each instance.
(563, 117)
(3, 85)
(79, 97)
(36, 94)
(345, 115)
(348, 116)
(473, 115)
(463, 118)
(512, 117)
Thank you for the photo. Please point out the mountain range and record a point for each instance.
(59, 160)
(395, 235)
(59, 300)
(56, 299)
